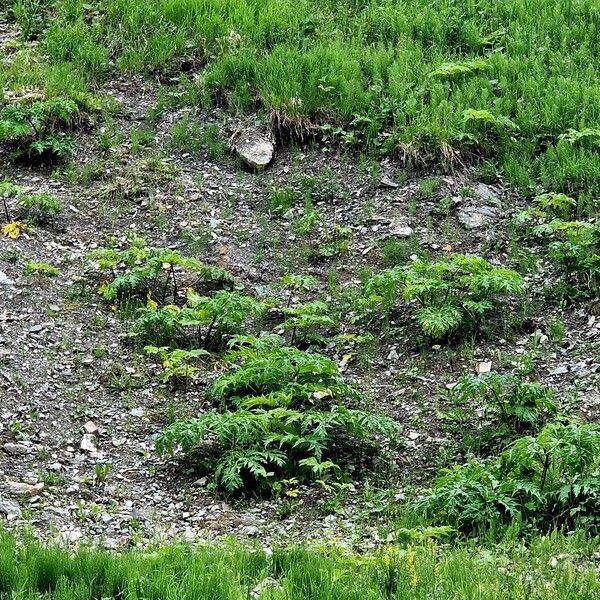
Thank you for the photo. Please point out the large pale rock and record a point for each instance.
(254, 148)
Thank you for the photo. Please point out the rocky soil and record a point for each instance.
(79, 410)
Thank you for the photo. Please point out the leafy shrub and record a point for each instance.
(33, 130)
(551, 480)
(306, 378)
(575, 246)
(41, 268)
(178, 365)
(203, 321)
(40, 207)
(141, 272)
(489, 409)
(304, 318)
(452, 296)
(283, 418)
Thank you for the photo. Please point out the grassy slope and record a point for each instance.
(370, 67)
(545, 571)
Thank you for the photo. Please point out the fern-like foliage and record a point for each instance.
(283, 416)
(34, 129)
(202, 322)
(551, 480)
(489, 410)
(575, 247)
(140, 270)
(310, 379)
(451, 295)
(255, 448)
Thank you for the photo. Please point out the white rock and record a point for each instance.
(5, 279)
(88, 443)
(254, 148)
(91, 427)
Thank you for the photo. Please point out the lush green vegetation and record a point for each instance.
(547, 570)
(443, 81)
(505, 92)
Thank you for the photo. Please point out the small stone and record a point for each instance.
(36, 328)
(5, 279)
(487, 194)
(91, 428)
(483, 367)
(88, 443)
(11, 510)
(387, 182)
(477, 216)
(19, 488)
(560, 370)
(401, 230)
(137, 412)
(252, 531)
(15, 449)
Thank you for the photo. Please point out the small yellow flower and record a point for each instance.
(14, 229)
(151, 304)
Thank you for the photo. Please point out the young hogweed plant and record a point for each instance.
(203, 322)
(549, 481)
(575, 247)
(283, 416)
(178, 365)
(451, 296)
(488, 410)
(303, 320)
(142, 272)
(34, 130)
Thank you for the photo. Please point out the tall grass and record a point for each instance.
(547, 570)
(371, 67)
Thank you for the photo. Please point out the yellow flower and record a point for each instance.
(151, 304)
(14, 229)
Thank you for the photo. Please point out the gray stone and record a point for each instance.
(88, 443)
(16, 449)
(387, 182)
(20, 488)
(473, 217)
(487, 194)
(11, 510)
(401, 230)
(255, 149)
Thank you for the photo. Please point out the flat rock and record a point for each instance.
(91, 428)
(254, 148)
(20, 488)
(88, 443)
(387, 182)
(11, 510)
(487, 194)
(16, 449)
(401, 230)
(473, 217)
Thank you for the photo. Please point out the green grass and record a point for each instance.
(444, 81)
(551, 568)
